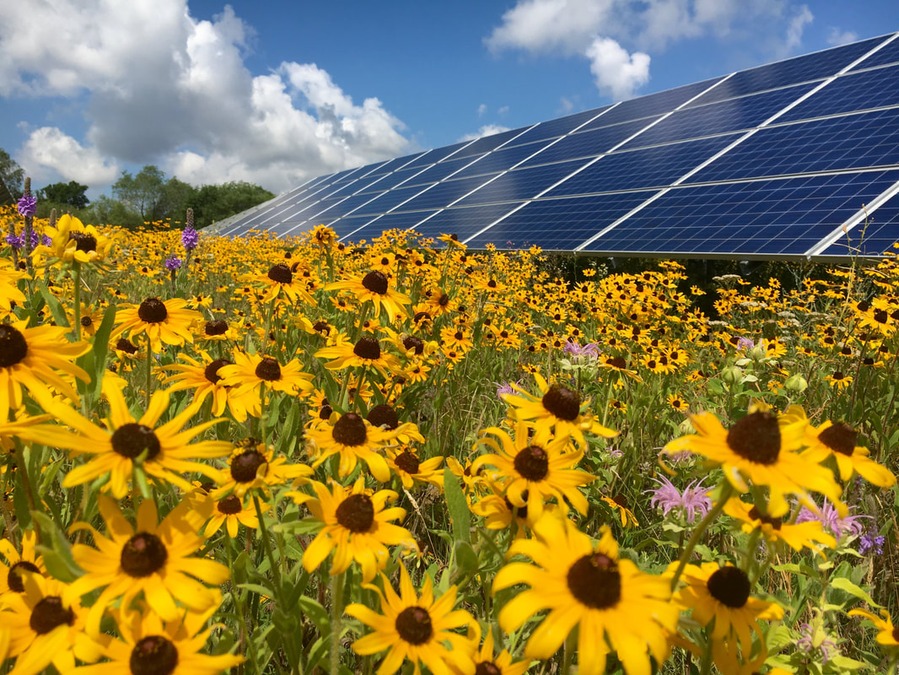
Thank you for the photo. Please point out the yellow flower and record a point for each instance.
(888, 635)
(375, 288)
(797, 536)
(168, 321)
(71, 241)
(351, 437)
(18, 564)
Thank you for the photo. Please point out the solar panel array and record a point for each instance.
(794, 158)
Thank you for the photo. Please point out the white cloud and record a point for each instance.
(482, 109)
(550, 25)
(617, 73)
(796, 27)
(837, 37)
(486, 130)
(49, 152)
(181, 97)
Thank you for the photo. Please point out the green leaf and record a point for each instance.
(467, 563)
(843, 584)
(56, 550)
(457, 506)
(94, 361)
(56, 308)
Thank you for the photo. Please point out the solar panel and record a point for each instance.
(794, 158)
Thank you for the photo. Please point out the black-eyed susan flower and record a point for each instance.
(231, 511)
(538, 465)
(888, 634)
(281, 282)
(202, 376)
(163, 451)
(761, 450)
(10, 293)
(18, 563)
(585, 586)
(356, 527)
(375, 287)
(365, 352)
(35, 358)
(151, 558)
(409, 468)
(72, 241)
(352, 438)
(807, 534)
(163, 321)
(840, 441)
(721, 596)
(557, 409)
(414, 627)
(249, 371)
(149, 644)
(253, 465)
(46, 625)
(618, 504)
(488, 662)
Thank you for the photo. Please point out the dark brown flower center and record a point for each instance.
(153, 655)
(840, 438)
(407, 462)
(755, 514)
(86, 322)
(14, 579)
(487, 668)
(152, 310)
(414, 625)
(230, 505)
(520, 511)
(729, 586)
(212, 370)
(217, 327)
(562, 402)
(125, 345)
(49, 613)
(756, 437)
(13, 347)
(414, 343)
(383, 416)
(350, 430)
(245, 466)
(356, 513)
(268, 369)
(132, 439)
(143, 554)
(594, 580)
(532, 463)
(83, 242)
(280, 273)
(375, 282)
(367, 348)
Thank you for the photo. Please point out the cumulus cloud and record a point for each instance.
(181, 96)
(486, 130)
(837, 37)
(623, 32)
(617, 73)
(49, 152)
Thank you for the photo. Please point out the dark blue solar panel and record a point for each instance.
(588, 143)
(464, 222)
(440, 171)
(773, 217)
(888, 54)
(647, 106)
(393, 179)
(390, 199)
(792, 71)
(433, 156)
(860, 91)
(346, 206)
(346, 226)
(343, 176)
(256, 217)
(559, 224)
(487, 143)
(854, 141)
(394, 164)
(501, 160)
(390, 221)
(445, 193)
(556, 128)
(873, 235)
(716, 118)
(649, 167)
(521, 184)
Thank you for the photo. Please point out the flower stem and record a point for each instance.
(726, 492)
(336, 621)
(568, 650)
(22, 470)
(149, 369)
(76, 276)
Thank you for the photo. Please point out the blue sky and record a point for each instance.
(278, 92)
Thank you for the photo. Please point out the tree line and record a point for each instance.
(149, 196)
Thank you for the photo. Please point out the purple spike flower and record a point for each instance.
(173, 263)
(27, 205)
(190, 238)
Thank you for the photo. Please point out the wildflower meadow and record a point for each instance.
(299, 455)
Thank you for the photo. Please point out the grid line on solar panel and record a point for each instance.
(347, 206)
(346, 226)
(464, 222)
(390, 221)
(848, 93)
(651, 105)
(434, 155)
(521, 184)
(867, 139)
(558, 127)
(784, 216)
(656, 166)
(863, 232)
(587, 143)
(444, 193)
(439, 171)
(889, 53)
(488, 143)
(501, 160)
(387, 201)
(282, 211)
(394, 164)
(234, 223)
(731, 115)
(557, 224)
(806, 68)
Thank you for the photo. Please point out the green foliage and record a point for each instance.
(12, 178)
(61, 196)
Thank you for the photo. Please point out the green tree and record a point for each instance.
(108, 211)
(143, 193)
(216, 202)
(12, 178)
(70, 194)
